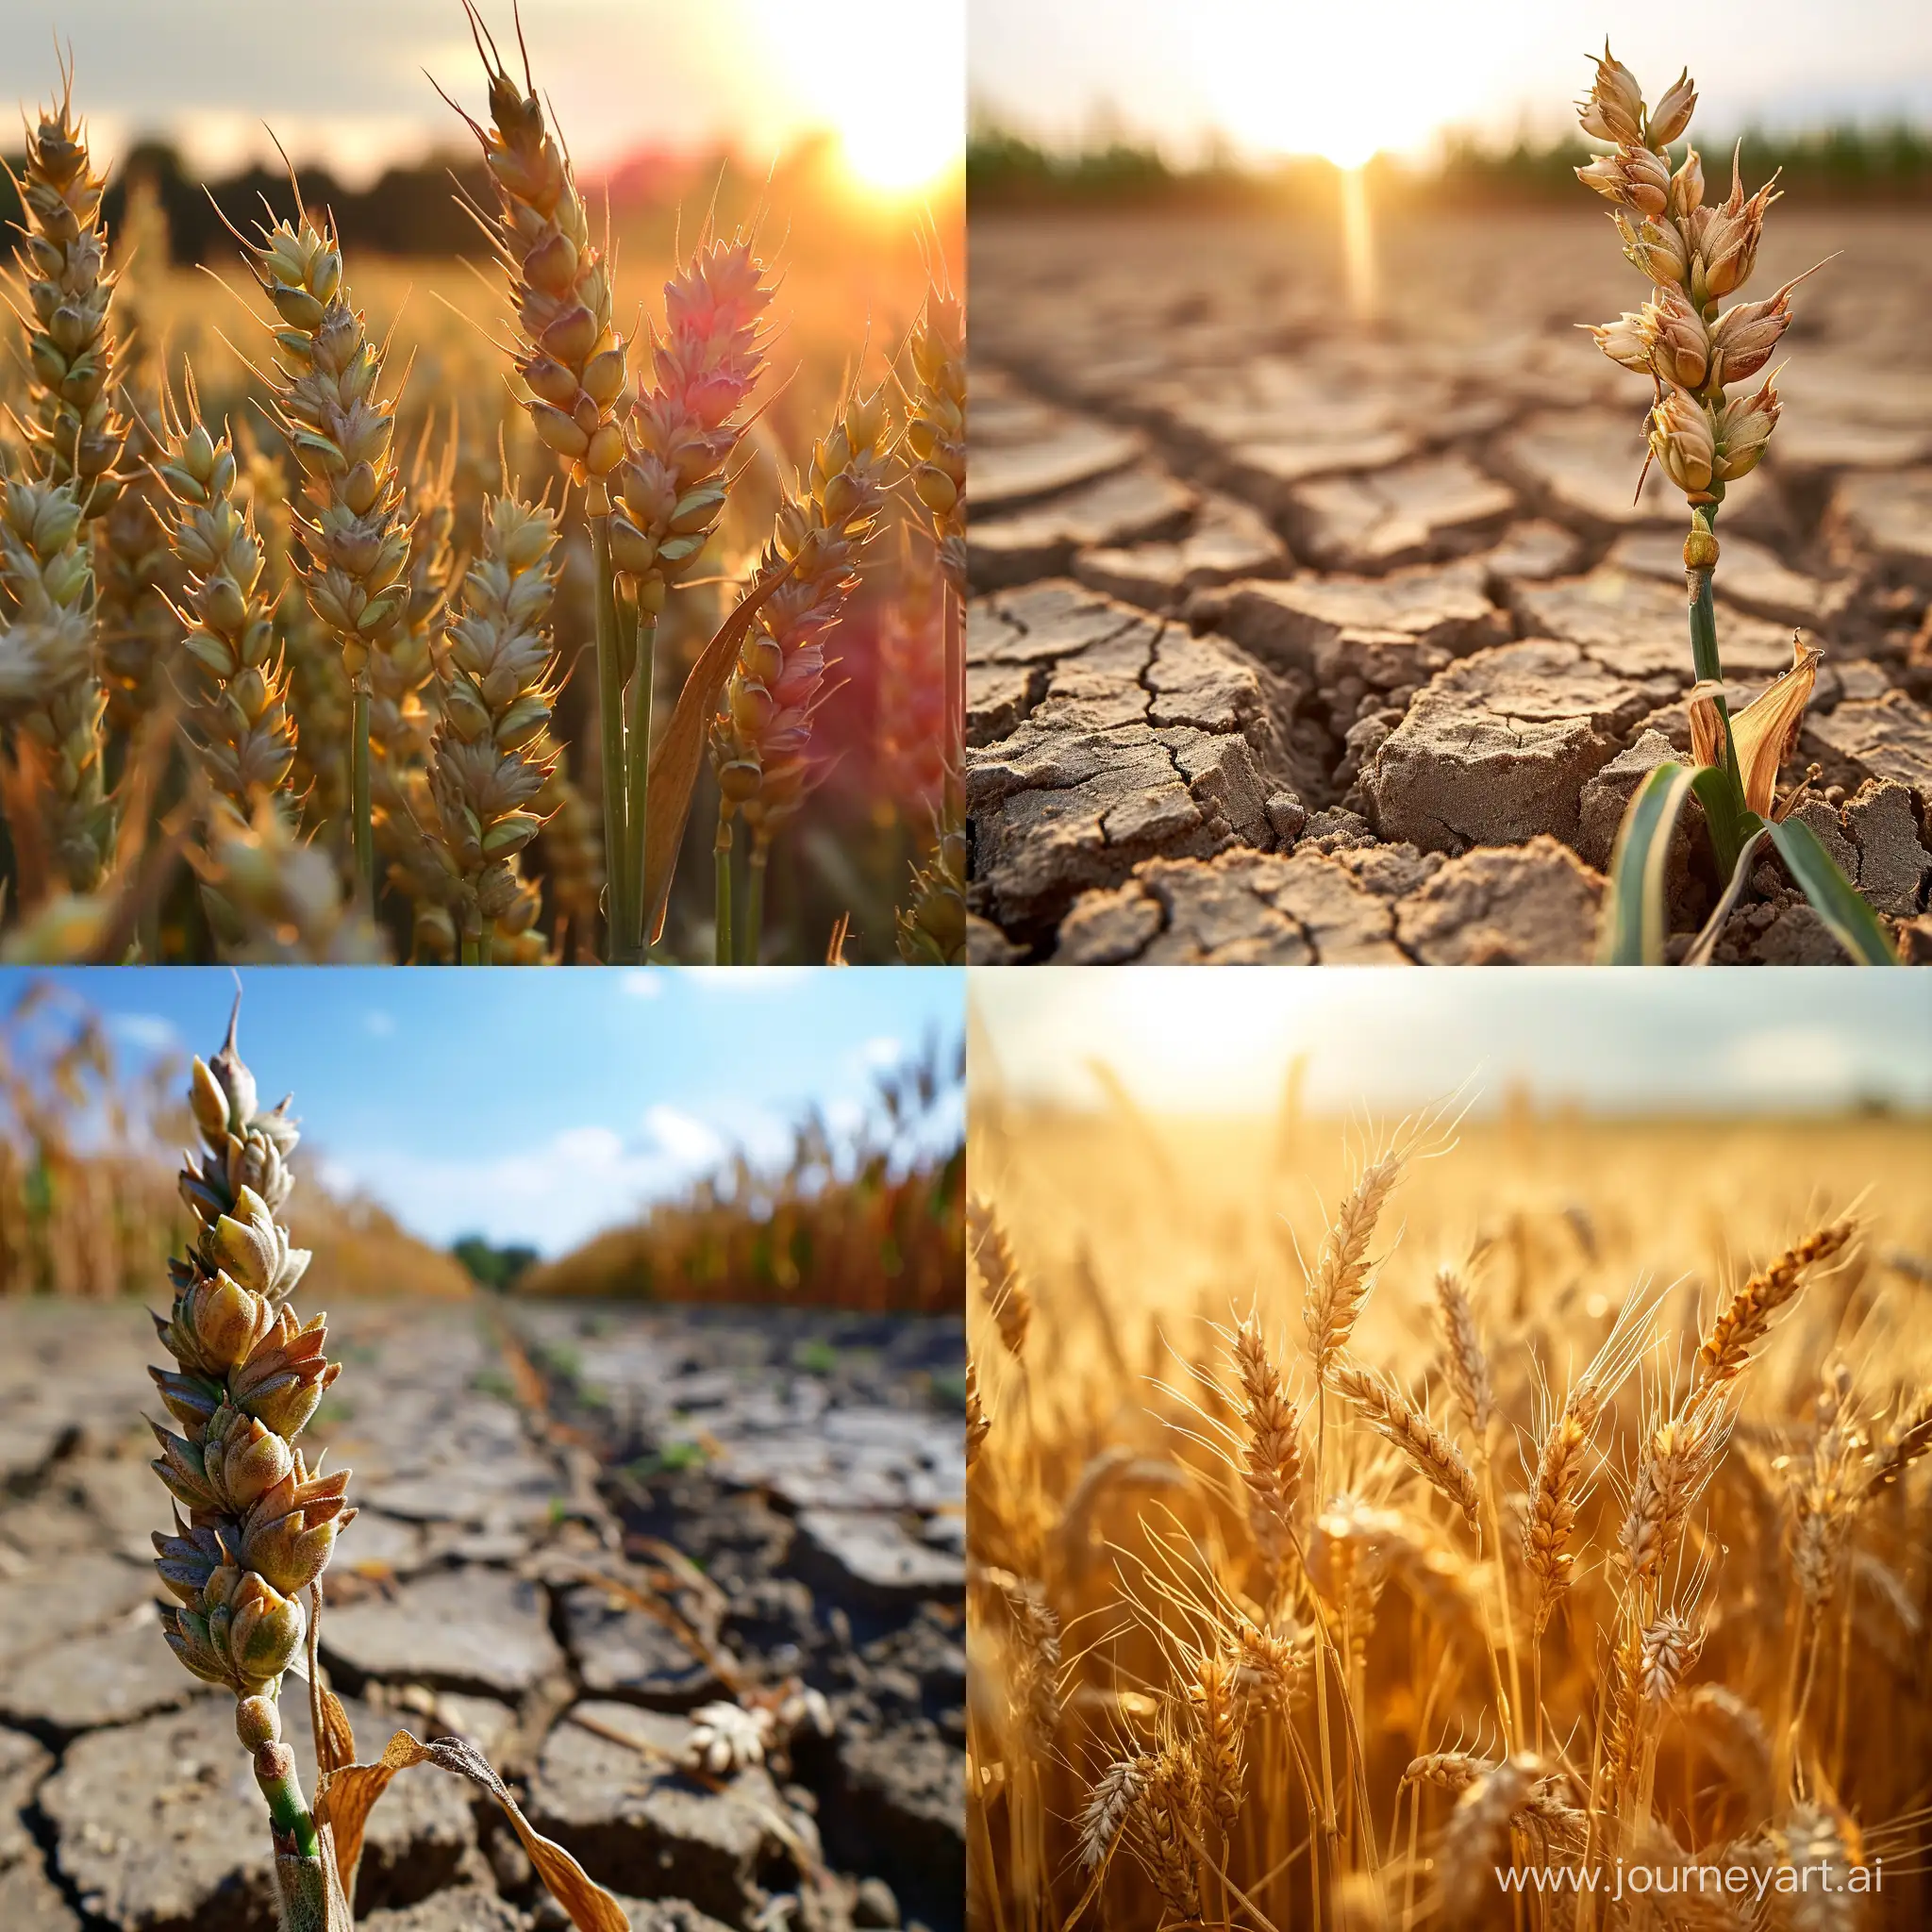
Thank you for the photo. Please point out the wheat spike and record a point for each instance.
(760, 738)
(75, 426)
(1217, 1737)
(1679, 1460)
(492, 747)
(1395, 1418)
(1109, 1805)
(1272, 1448)
(1462, 1347)
(670, 486)
(1449, 1770)
(1007, 1292)
(244, 736)
(571, 358)
(1340, 1284)
(248, 1376)
(935, 433)
(1165, 1810)
(1910, 1442)
(1745, 1319)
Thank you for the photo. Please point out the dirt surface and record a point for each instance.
(524, 1473)
(1297, 637)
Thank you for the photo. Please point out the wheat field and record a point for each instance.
(587, 599)
(1394, 1526)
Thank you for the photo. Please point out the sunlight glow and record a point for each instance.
(887, 80)
(1345, 83)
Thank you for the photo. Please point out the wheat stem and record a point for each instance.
(619, 885)
(358, 752)
(637, 802)
(725, 949)
(753, 940)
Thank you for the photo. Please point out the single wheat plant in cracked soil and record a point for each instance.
(1300, 635)
(1552, 1504)
(254, 1525)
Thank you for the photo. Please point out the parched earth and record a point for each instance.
(1303, 639)
(538, 1486)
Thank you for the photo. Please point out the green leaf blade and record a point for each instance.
(1853, 922)
(1634, 919)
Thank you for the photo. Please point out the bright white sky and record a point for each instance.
(1390, 1040)
(345, 81)
(1294, 76)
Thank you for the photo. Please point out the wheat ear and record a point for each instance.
(492, 748)
(354, 549)
(1745, 1318)
(1393, 1416)
(1340, 1284)
(1006, 1294)
(261, 1527)
(1463, 1348)
(242, 732)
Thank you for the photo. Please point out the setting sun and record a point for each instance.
(888, 83)
(1315, 84)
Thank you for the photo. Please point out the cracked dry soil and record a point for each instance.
(810, 1468)
(1298, 640)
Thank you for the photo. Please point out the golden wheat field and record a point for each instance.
(587, 598)
(1517, 1523)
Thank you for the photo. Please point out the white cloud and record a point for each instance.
(747, 979)
(684, 1136)
(1810, 1063)
(382, 1026)
(643, 984)
(885, 1052)
(552, 1195)
(146, 1033)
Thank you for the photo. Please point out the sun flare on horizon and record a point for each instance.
(890, 85)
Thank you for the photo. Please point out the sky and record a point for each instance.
(1293, 77)
(1389, 1042)
(532, 1107)
(345, 82)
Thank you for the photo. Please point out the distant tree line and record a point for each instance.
(490, 1266)
(409, 210)
(1005, 168)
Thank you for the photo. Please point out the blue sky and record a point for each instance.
(1390, 1040)
(1298, 77)
(534, 1106)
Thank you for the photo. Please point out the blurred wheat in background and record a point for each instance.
(338, 591)
(1362, 1515)
(864, 1214)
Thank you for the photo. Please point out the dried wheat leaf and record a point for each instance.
(335, 1737)
(674, 774)
(352, 1794)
